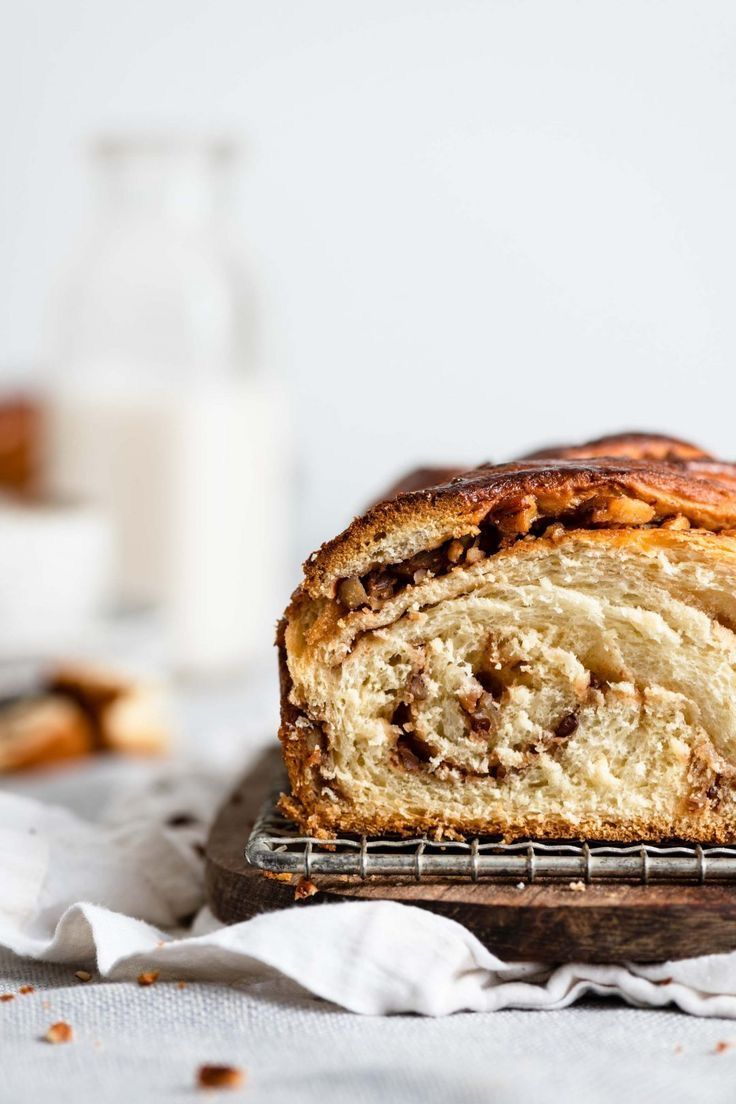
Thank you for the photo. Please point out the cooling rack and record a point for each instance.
(276, 846)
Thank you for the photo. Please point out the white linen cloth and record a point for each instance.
(118, 896)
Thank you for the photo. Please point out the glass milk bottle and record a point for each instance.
(156, 410)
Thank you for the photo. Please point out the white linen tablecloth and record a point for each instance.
(144, 1045)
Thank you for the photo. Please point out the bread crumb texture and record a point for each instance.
(582, 685)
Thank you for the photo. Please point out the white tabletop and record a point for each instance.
(145, 1044)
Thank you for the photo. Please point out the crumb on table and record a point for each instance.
(60, 1032)
(220, 1077)
(305, 888)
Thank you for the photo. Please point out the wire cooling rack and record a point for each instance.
(274, 845)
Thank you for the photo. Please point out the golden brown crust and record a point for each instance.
(625, 446)
(549, 489)
(630, 446)
(324, 820)
(719, 470)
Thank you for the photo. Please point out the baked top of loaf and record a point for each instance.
(516, 496)
(456, 659)
(630, 446)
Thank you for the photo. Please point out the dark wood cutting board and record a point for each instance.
(541, 923)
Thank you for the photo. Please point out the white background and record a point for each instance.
(480, 225)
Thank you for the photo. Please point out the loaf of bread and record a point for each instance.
(543, 648)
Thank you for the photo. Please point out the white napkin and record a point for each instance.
(120, 894)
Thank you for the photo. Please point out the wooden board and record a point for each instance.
(541, 923)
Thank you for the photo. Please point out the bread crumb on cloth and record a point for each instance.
(150, 977)
(220, 1077)
(60, 1032)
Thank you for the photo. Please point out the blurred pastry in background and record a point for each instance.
(41, 730)
(20, 444)
(82, 709)
(127, 715)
